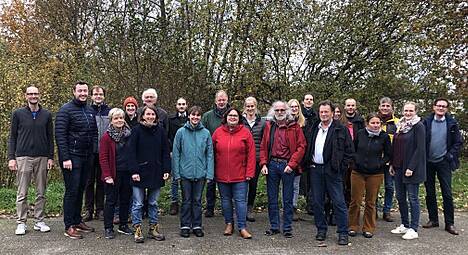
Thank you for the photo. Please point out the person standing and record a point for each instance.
(76, 135)
(443, 143)
(256, 125)
(30, 155)
(281, 152)
(234, 150)
(408, 165)
(329, 149)
(211, 120)
(176, 121)
(131, 111)
(150, 98)
(192, 165)
(94, 191)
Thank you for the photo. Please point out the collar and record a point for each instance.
(439, 120)
(320, 126)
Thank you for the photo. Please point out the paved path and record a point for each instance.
(433, 241)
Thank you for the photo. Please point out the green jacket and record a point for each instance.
(192, 153)
(211, 120)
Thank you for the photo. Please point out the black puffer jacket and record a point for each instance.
(75, 130)
(257, 133)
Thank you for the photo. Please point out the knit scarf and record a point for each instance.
(118, 134)
(373, 133)
(405, 125)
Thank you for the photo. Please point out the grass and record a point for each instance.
(55, 191)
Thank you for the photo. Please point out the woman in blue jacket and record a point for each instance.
(150, 165)
(192, 159)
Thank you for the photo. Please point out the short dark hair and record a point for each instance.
(224, 121)
(98, 87)
(195, 109)
(442, 99)
(79, 83)
(372, 115)
(325, 103)
(143, 110)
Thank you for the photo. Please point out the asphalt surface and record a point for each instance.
(431, 241)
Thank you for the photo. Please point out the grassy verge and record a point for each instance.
(56, 189)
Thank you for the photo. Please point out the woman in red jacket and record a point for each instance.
(234, 149)
(115, 172)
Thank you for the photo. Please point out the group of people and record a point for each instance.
(123, 157)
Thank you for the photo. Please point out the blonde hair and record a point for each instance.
(254, 101)
(116, 112)
(300, 118)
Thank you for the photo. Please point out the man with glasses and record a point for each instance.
(176, 121)
(443, 142)
(281, 151)
(30, 156)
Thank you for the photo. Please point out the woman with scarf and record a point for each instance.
(234, 150)
(115, 172)
(373, 150)
(150, 165)
(408, 165)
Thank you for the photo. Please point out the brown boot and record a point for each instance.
(229, 229)
(245, 234)
(387, 217)
(155, 233)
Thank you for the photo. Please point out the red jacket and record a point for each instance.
(234, 154)
(107, 157)
(296, 143)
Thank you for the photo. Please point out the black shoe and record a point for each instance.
(99, 215)
(387, 217)
(431, 224)
(185, 232)
(452, 230)
(124, 229)
(87, 216)
(343, 239)
(287, 234)
(321, 236)
(109, 233)
(209, 213)
(198, 232)
(352, 233)
(271, 232)
(174, 209)
(367, 234)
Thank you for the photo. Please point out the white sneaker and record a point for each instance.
(410, 234)
(400, 230)
(20, 229)
(41, 226)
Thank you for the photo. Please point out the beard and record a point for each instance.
(280, 117)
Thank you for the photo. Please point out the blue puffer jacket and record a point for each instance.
(192, 153)
(75, 130)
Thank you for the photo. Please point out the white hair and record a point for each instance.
(151, 91)
(271, 112)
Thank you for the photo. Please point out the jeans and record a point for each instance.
(297, 182)
(389, 182)
(210, 195)
(333, 183)
(137, 208)
(75, 182)
(275, 175)
(253, 186)
(407, 192)
(236, 191)
(94, 197)
(444, 174)
(191, 209)
(174, 190)
(117, 194)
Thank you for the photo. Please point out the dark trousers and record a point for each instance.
(94, 197)
(444, 174)
(253, 186)
(323, 182)
(117, 194)
(75, 181)
(210, 195)
(407, 192)
(191, 209)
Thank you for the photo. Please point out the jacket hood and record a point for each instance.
(191, 128)
(236, 129)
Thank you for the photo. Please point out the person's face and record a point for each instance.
(130, 109)
(308, 101)
(118, 121)
(194, 118)
(149, 116)
(221, 101)
(337, 113)
(385, 108)
(325, 113)
(250, 108)
(149, 99)
(409, 111)
(440, 108)
(81, 92)
(280, 112)
(181, 105)
(374, 124)
(350, 106)
(32, 95)
(98, 96)
(294, 108)
(232, 118)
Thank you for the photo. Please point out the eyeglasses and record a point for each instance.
(32, 94)
(441, 106)
(233, 115)
(280, 110)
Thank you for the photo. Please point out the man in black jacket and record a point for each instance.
(30, 155)
(329, 153)
(443, 143)
(76, 135)
(176, 121)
